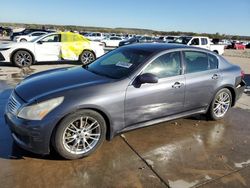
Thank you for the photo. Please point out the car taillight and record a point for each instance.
(242, 74)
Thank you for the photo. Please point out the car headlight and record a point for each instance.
(40, 110)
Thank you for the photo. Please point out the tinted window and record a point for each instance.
(165, 65)
(183, 40)
(196, 61)
(51, 38)
(213, 61)
(195, 41)
(115, 38)
(204, 41)
(37, 34)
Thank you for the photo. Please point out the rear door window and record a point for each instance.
(196, 61)
(213, 61)
(204, 41)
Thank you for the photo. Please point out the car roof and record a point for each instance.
(156, 47)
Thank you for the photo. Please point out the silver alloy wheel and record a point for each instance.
(81, 135)
(221, 104)
(87, 57)
(23, 58)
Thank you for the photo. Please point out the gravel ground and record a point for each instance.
(237, 53)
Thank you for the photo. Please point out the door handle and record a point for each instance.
(215, 76)
(177, 85)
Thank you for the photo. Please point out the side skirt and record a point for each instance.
(163, 119)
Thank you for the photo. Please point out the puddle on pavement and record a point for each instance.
(241, 165)
(13, 78)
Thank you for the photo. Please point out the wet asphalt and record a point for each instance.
(188, 152)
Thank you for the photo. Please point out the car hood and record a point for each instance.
(57, 80)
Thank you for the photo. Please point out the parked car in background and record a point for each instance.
(146, 39)
(29, 37)
(112, 41)
(26, 32)
(129, 36)
(75, 109)
(161, 39)
(129, 41)
(248, 45)
(201, 42)
(51, 47)
(95, 36)
(5, 31)
(171, 38)
(238, 46)
(166, 39)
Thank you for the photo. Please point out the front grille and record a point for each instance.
(1, 57)
(13, 105)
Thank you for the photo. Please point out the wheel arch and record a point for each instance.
(231, 89)
(87, 49)
(216, 51)
(109, 133)
(25, 49)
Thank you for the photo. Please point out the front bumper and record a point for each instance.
(5, 55)
(2, 57)
(33, 136)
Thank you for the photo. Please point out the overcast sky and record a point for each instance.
(210, 16)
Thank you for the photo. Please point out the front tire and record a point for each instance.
(87, 57)
(22, 58)
(79, 134)
(220, 104)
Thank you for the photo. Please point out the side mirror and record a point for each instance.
(39, 42)
(148, 78)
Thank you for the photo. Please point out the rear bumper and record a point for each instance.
(240, 89)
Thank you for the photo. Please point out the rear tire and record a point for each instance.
(79, 134)
(22, 58)
(23, 40)
(87, 57)
(220, 105)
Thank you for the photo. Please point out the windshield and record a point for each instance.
(37, 38)
(26, 31)
(183, 40)
(118, 63)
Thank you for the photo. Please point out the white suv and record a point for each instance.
(29, 37)
(95, 36)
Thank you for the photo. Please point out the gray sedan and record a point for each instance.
(75, 109)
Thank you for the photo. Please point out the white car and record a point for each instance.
(49, 47)
(29, 37)
(201, 42)
(95, 36)
(112, 41)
